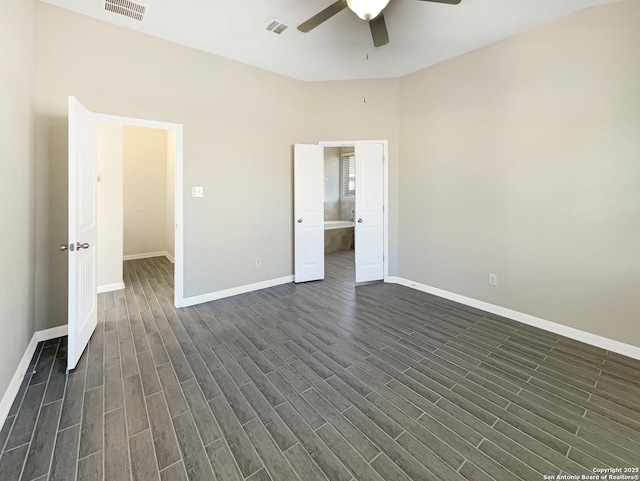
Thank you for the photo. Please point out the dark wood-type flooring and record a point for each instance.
(313, 382)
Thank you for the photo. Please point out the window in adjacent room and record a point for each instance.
(348, 175)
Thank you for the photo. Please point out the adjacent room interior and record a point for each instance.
(504, 342)
(136, 198)
(339, 212)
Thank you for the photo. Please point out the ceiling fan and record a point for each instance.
(368, 10)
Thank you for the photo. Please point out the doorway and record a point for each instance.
(139, 197)
(341, 185)
(82, 244)
(339, 213)
(136, 198)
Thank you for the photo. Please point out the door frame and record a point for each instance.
(178, 273)
(385, 187)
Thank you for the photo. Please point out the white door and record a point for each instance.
(308, 212)
(369, 211)
(82, 230)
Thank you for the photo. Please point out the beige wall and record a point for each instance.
(523, 159)
(336, 111)
(17, 185)
(110, 203)
(332, 183)
(145, 184)
(239, 123)
(170, 217)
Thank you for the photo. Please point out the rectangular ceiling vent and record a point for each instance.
(127, 8)
(276, 27)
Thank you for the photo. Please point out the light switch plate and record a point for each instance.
(197, 192)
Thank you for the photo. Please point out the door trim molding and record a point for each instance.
(14, 385)
(178, 280)
(549, 326)
(385, 144)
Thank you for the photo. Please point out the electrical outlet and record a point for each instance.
(197, 192)
(493, 279)
(258, 262)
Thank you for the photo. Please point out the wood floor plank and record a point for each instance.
(196, 461)
(42, 443)
(172, 391)
(26, 416)
(242, 449)
(273, 459)
(65, 460)
(316, 449)
(163, 435)
(143, 462)
(137, 420)
(90, 468)
(350, 433)
(91, 434)
(12, 462)
(202, 415)
(116, 444)
(270, 419)
(223, 462)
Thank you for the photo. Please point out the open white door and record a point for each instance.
(369, 211)
(308, 212)
(82, 230)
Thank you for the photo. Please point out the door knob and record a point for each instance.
(299, 221)
(63, 247)
(82, 246)
(360, 221)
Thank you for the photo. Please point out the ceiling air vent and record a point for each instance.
(127, 8)
(276, 27)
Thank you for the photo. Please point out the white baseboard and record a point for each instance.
(234, 291)
(110, 287)
(14, 386)
(148, 255)
(570, 332)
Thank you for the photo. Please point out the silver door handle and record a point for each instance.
(63, 247)
(299, 221)
(82, 246)
(360, 221)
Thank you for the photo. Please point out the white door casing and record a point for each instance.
(82, 230)
(369, 212)
(308, 212)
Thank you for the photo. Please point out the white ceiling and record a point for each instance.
(421, 33)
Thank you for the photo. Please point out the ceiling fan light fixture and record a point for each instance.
(367, 9)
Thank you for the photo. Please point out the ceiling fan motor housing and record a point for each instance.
(367, 9)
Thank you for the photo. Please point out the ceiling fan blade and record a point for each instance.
(323, 16)
(451, 2)
(379, 31)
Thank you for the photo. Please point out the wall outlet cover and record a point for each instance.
(197, 192)
(493, 279)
